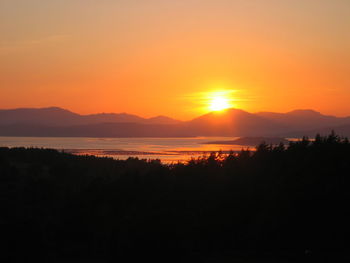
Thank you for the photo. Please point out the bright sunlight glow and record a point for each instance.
(219, 102)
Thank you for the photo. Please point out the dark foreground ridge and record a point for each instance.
(278, 204)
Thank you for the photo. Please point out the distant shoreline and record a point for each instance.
(251, 141)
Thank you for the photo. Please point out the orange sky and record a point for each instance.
(161, 57)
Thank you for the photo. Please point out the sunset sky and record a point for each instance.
(169, 56)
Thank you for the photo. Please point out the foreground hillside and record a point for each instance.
(278, 204)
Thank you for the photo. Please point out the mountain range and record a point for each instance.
(58, 122)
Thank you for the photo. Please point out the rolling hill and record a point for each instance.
(59, 122)
(55, 116)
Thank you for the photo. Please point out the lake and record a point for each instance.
(168, 150)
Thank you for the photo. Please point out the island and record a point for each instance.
(252, 141)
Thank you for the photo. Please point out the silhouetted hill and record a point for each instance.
(232, 122)
(162, 120)
(97, 130)
(43, 116)
(111, 117)
(304, 119)
(55, 116)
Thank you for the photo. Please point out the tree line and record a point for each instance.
(279, 202)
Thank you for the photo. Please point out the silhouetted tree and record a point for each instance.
(283, 202)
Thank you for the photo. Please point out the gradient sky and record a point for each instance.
(162, 57)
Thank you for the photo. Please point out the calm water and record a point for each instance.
(166, 149)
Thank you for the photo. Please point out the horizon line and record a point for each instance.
(161, 115)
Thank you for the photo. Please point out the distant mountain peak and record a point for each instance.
(161, 119)
(224, 113)
(229, 122)
(52, 108)
(229, 110)
(304, 112)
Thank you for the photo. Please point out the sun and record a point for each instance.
(215, 100)
(219, 102)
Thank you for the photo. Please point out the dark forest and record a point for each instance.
(285, 203)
